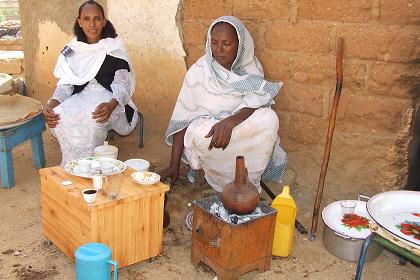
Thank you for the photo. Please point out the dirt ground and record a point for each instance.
(26, 254)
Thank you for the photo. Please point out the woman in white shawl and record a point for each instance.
(94, 87)
(223, 110)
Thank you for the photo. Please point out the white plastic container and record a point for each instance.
(138, 164)
(106, 151)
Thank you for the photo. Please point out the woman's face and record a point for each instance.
(224, 44)
(92, 21)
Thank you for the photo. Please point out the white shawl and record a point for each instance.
(79, 62)
(211, 90)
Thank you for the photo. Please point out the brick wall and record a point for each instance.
(296, 43)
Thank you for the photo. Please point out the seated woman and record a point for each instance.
(94, 87)
(223, 110)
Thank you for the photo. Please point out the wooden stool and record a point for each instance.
(11, 137)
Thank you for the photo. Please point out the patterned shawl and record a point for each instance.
(210, 90)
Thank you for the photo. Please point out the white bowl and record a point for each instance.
(138, 164)
(145, 177)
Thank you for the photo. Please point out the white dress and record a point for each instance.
(77, 133)
(211, 93)
(78, 64)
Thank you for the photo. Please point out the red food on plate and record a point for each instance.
(355, 221)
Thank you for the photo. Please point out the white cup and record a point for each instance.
(89, 195)
(84, 165)
(107, 168)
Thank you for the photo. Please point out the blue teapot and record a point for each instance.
(93, 262)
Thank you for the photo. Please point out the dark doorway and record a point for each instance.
(413, 181)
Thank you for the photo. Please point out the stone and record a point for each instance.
(302, 98)
(11, 62)
(399, 11)
(393, 79)
(301, 37)
(8, 43)
(354, 11)
(195, 34)
(200, 9)
(380, 43)
(379, 115)
(5, 83)
(308, 129)
(269, 9)
(276, 65)
(194, 53)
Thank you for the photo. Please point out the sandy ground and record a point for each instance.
(26, 254)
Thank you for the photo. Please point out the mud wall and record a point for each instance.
(296, 42)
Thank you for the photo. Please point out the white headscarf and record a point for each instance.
(211, 90)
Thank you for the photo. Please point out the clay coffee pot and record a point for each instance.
(240, 196)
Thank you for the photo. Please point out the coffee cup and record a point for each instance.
(107, 168)
(84, 165)
(89, 195)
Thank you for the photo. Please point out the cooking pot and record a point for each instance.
(345, 239)
(106, 151)
(398, 212)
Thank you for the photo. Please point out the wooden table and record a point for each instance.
(131, 226)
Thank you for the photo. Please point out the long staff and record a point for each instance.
(331, 126)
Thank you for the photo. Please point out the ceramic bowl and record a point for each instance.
(138, 164)
(145, 177)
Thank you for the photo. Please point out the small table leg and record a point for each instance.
(361, 261)
(6, 169)
(38, 151)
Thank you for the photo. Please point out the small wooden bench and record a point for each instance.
(11, 137)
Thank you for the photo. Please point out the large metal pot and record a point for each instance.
(345, 242)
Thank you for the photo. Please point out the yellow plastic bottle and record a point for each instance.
(285, 223)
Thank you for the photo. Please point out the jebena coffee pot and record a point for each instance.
(240, 196)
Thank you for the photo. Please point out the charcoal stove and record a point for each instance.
(231, 249)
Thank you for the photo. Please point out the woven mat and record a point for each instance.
(18, 108)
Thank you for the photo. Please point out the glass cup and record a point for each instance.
(113, 185)
(347, 206)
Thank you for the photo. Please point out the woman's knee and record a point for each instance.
(267, 117)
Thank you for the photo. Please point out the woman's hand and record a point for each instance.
(51, 118)
(172, 172)
(104, 110)
(221, 132)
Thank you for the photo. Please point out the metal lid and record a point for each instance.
(106, 148)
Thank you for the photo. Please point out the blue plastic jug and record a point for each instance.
(93, 262)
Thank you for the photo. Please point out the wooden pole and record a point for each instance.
(331, 126)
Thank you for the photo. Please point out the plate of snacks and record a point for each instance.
(145, 177)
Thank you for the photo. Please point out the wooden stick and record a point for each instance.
(331, 126)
